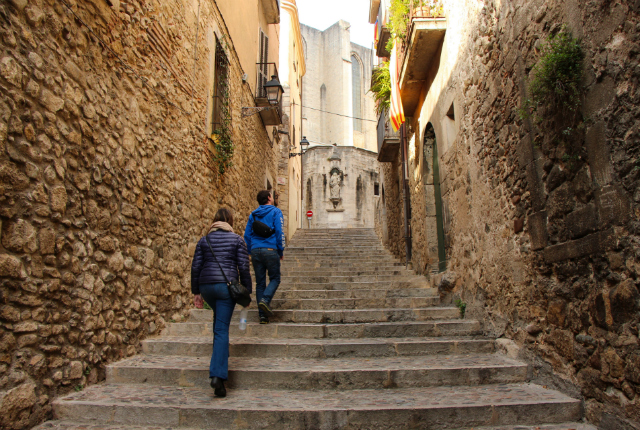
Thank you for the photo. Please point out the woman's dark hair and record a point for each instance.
(224, 215)
(263, 197)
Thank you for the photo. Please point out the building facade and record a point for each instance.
(341, 187)
(121, 134)
(292, 71)
(530, 221)
(337, 81)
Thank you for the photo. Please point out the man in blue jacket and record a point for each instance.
(265, 240)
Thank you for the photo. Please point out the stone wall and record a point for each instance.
(541, 223)
(356, 176)
(106, 183)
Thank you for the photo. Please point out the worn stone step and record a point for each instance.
(349, 373)
(348, 316)
(371, 271)
(356, 294)
(340, 265)
(347, 255)
(86, 425)
(337, 279)
(425, 407)
(337, 247)
(334, 243)
(563, 426)
(373, 285)
(347, 303)
(202, 346)
(334, 331)
(81, 424)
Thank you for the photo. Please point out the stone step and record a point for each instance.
(333, 279)
(424, 407)
(353, 256)
(334, 331)
(340, 265)
(334, 304)
(344, 316)
(350, 373)
(86, 425)
(418, 282)
(320, 348)
(335, 243)
(356, 294)
(372, 271)
(337, 247)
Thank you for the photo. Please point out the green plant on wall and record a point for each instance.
(399, 16)
(398, 20)
(556, 84)
(221, 136)
(381, 87)
(462, 307)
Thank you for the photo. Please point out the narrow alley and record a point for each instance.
(453, 198)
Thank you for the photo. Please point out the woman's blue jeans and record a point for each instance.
(217, 296)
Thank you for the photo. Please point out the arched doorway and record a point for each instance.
(433, 194)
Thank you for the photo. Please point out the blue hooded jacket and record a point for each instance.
(271, 216)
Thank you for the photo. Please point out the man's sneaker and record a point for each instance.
(264, 320)
(264, 307)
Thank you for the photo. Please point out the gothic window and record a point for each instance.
(356, 92)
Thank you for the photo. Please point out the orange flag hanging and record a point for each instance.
(397, 112)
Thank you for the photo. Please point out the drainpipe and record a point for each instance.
(405, 197)
(301, 162)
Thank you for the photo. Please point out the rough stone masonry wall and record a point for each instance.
(104, 186)
(543, 237)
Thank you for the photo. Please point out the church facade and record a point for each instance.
(340, 169)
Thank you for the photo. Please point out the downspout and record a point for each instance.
(405, 199)
(301, 160)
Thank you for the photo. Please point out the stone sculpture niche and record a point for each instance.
(336, 180)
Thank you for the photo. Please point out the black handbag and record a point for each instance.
(261, 229)
(237, 291)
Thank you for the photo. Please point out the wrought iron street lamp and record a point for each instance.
(304, 143)
(274, 92)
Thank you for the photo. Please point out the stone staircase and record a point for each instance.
(357, 342)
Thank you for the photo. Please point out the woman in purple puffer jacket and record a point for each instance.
(208, 284)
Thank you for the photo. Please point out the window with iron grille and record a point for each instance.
(220, 89)
(221, 112)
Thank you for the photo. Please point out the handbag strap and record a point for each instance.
(214, 257)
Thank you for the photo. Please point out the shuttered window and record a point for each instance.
(263, 71)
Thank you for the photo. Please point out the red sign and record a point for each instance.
(309, 214)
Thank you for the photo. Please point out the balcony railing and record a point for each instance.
(264, 72)
(388, 140)
(420, 50)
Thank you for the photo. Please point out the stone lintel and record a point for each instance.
(591, 244)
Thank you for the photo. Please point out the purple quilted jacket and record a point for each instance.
(231, 253)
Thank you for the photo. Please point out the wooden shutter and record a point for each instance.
(263, 69)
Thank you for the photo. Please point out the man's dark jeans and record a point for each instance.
(266, 260)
